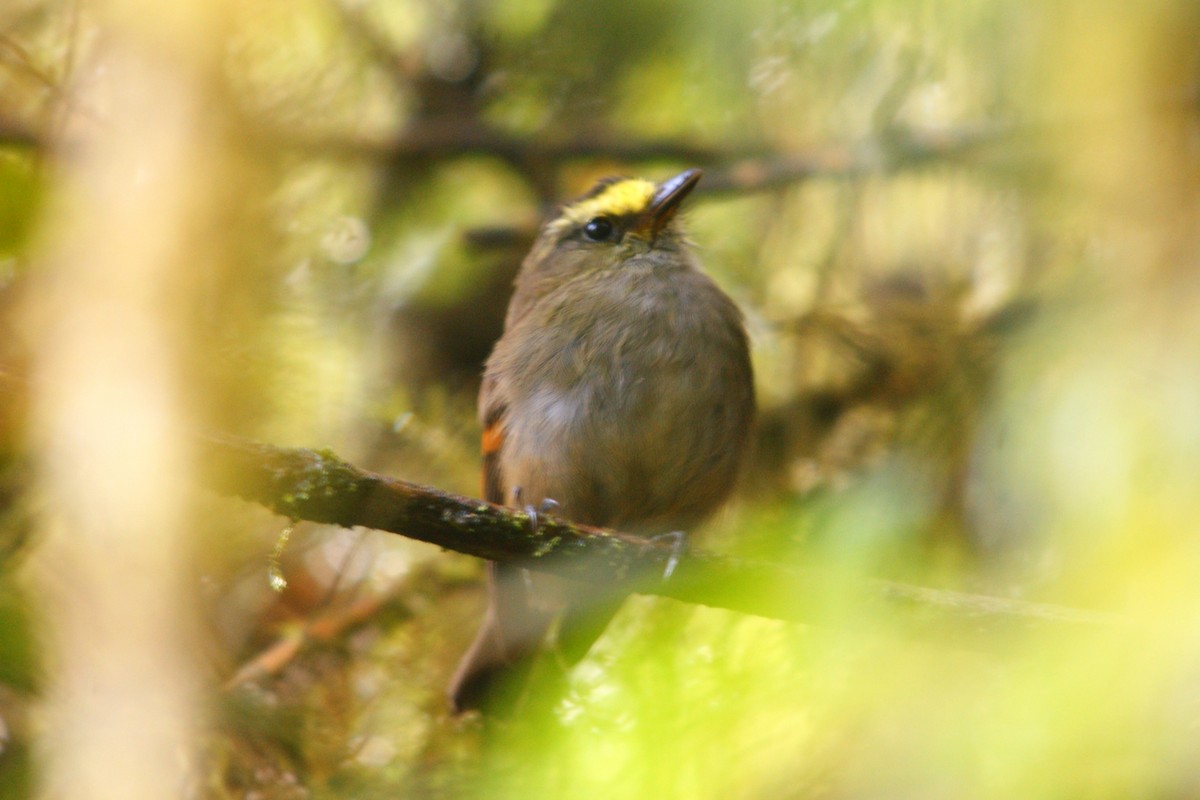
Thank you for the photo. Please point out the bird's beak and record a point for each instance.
(665, 202)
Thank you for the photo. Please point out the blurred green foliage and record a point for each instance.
(18, 202)
(978, 369)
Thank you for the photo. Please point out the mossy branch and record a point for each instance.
(320, 487)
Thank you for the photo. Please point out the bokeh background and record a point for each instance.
(966, 237)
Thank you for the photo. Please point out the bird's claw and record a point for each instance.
(548, 506)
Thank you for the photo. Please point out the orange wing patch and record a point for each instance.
(493, 438)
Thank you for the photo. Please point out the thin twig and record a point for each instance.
(323, 628)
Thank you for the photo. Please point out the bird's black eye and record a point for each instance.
(599, 229)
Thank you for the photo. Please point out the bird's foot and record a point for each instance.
(548, 506)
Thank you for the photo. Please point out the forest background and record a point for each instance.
(965, 235)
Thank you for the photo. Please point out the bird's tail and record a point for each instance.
(493, 672)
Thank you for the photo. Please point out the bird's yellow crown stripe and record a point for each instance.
(627, 196)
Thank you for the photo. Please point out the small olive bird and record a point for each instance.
(620, 395)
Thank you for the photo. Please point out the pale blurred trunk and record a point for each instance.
(137, 181)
